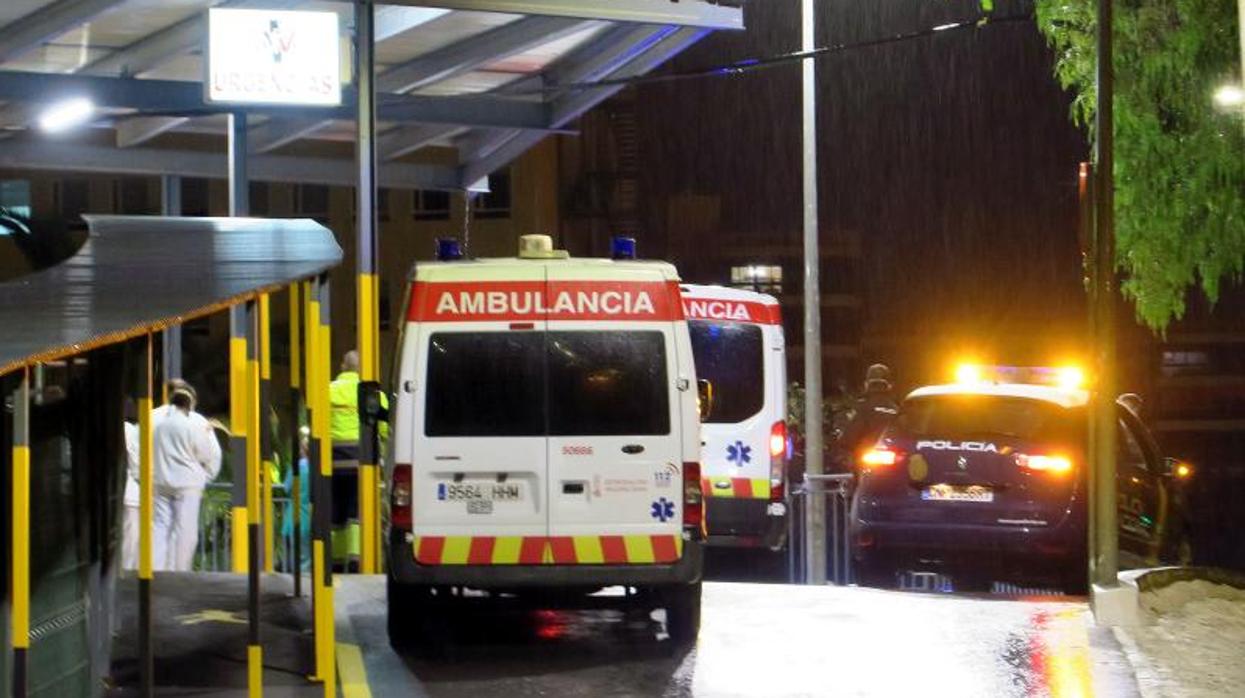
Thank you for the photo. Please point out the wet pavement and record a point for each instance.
(756, 640)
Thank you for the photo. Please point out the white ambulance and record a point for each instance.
(738, 345)
(545, 436)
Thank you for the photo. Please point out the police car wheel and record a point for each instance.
(406, 611)
(683, 613)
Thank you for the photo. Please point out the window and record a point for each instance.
(607, 383)
(1127, 451)
(496, 202)
(497, 383)
(485, 384)
(194, 196)
(430, 205)
(257, 193)
(976, 417)
(72, 199)
(129, 196)
(729, 355)
(759, 278)
(15, 196)
(312, 201)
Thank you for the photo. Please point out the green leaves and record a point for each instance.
(1179, 163)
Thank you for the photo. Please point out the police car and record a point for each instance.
(984, 480)
(738, 345)
(545, 435)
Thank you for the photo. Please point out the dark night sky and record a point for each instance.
(950, 157)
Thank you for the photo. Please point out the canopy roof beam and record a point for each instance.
(697, 13)
(46, 23)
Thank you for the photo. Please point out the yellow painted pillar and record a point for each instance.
(238, 438)
(146, 527)
(264, 427)
(19, 584)
(256, 317)
(319, 346)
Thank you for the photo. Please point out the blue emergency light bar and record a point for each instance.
(622, 247)
(449, 249)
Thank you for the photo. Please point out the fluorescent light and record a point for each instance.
(1230, 96)
(945, 27)
(65, 115)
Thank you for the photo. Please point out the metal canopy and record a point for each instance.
(180, 267)
(487, 78)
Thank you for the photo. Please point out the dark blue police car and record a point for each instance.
(981, 482)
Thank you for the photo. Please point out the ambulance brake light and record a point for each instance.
(778, 440)
(400, 499)
(777, 461)
(693, 500)
(449, 249)
(622, 247)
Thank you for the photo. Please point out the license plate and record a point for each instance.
(479, 492)
(956, 493)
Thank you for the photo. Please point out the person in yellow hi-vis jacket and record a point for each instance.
(344, 431)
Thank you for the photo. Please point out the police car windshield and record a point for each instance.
(729, 355)
(554, 383)
(973, 416)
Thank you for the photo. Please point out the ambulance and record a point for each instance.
(545, 437)
(738, 346)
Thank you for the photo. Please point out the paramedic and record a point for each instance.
(185, 458)
(129, 525)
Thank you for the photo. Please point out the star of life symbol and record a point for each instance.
(662, 510)
(738, 453)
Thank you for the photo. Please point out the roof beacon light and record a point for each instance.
(969, 374)
(1070, 378)
(449, 249)
(622, 247)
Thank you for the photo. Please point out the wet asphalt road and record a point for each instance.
(757, 639)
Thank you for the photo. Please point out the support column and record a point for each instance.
(815, 509)
(254, 651)
(296, 479)
(264, 429)
(1105, 559)
(19, 584)
(368, 314)
(146, 524)
(239, 205)
(319, 351)
(171, 351)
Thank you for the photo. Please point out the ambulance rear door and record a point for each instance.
(480, 455)
(615, 429)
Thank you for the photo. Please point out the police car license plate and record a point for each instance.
(957, 493)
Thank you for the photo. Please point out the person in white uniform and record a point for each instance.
(185, 457)
(129, 528)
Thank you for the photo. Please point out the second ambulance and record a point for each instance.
(737, 340)
(545, 437)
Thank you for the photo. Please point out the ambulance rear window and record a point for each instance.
(730, 356)
(608, 383)
(486, 384)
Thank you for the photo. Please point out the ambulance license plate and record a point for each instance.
(479, 492)
(957, 493)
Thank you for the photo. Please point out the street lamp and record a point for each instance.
(66, 114)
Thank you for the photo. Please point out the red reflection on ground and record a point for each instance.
(1059, 655)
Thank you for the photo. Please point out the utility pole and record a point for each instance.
(1105, 559)
(815, 506)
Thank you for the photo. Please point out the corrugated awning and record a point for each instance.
(137, 274)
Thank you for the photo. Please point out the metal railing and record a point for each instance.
(215, 553)
(837, 489)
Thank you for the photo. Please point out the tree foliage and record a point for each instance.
(1179, 161)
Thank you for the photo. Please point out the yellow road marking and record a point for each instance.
(212, 616)
(352, 671)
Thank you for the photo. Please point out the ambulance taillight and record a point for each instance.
(777, 460)
(400, 497)
(693, 500)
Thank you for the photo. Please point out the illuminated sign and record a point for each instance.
(272, 57)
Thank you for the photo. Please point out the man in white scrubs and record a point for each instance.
(186, 457)
(129, 528)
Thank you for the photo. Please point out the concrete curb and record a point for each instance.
(1120, 606)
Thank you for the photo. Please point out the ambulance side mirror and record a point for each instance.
(704, 398)
(371, 406)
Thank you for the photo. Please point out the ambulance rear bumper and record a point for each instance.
(404, 569)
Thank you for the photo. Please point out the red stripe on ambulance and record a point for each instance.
(738, 311)
(503, 301)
